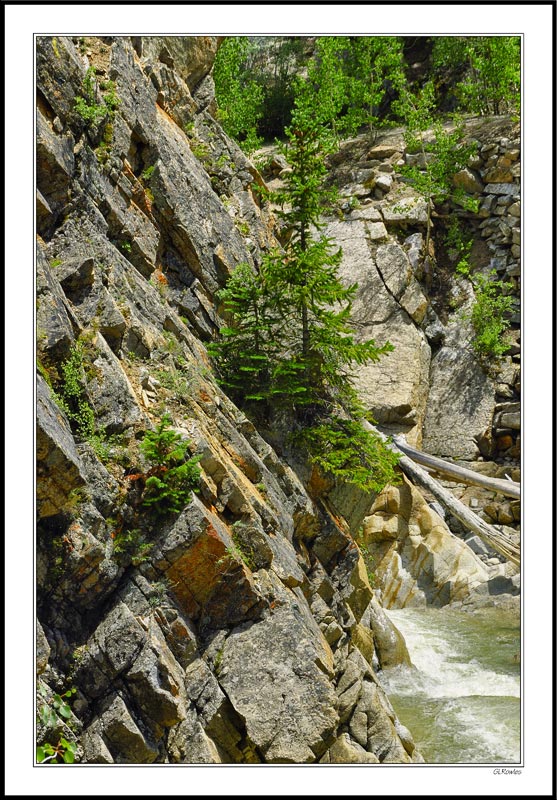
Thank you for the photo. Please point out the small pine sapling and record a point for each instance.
(172, 478)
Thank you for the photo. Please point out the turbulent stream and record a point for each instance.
(461, 697)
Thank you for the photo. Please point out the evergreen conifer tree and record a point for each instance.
(290, 341)
(246, 349)
(320, 336)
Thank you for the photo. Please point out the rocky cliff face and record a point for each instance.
(243, 629)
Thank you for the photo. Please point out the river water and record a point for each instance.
(461, 697)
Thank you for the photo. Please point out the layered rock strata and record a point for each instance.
(246, 630)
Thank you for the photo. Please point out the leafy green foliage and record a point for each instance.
(105, 147)
(49, 715)
(375, 67)
(239, 97)
(442, 150)
(132, 543)
(490, 316)
(326, 76)
(147, 173)
(489, 68)
(493, 304)
(242, 548)
(165, 488)
(71, 395)
(350, 78)
(170, 480)
(110, 98)
(442, 156)
(356, 80)
(175, 380)
(158, 592)
(459, 245)
(86, 104)
(62, 753)
(57, 707)
(341, 447)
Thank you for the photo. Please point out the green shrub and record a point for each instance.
(86, 105)
(71, 396)
(56, 707)
(49, 715)
(132, 542)
(171, 479)
(147, 173)
(174, 380)
(62, 753)
(459, 245)
(200, 150)
(490, 316)
(242, 547)
(111, 99)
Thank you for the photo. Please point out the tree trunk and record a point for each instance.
(500, 542)
(461, 474)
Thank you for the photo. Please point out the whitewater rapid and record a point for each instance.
(461, 697)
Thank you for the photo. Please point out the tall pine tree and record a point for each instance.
(320, 338)
(290, 341)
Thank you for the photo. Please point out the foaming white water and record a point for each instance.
(460, 698)
(441, 666)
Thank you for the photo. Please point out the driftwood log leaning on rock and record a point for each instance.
(460, 474)
(499, 541)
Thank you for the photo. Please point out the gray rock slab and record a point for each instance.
(269, 672)
(461, 402)
(411, 210)
(126, 742)
(112, 395)
(58, 463)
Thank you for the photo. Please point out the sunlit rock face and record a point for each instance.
(247, 627)
(240, 630)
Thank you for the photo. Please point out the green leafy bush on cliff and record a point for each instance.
(86, 105)
(71, 394)
(164, 488)
(490, 316)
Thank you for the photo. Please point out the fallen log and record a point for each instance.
(461, 474)
(499, 541)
